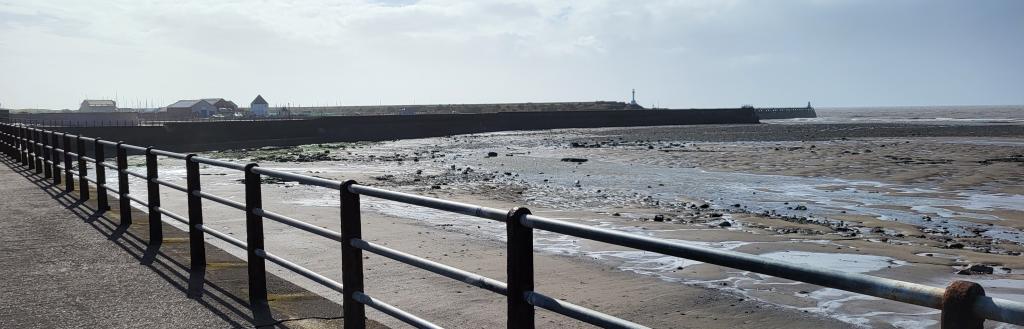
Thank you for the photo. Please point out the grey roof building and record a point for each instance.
(98, 105)
(197, 107)
(222, 104)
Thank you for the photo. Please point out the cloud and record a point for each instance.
(691, 53)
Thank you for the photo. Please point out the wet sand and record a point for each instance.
(802, 193)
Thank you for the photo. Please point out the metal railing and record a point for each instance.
(963, 304)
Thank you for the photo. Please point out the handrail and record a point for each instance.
(438, 268)
(298, 224)
(23, 144)
(302, 179)
(439, 204)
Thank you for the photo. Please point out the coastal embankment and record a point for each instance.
(199, 136)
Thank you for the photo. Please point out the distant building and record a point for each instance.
(192, 108)
(259, 107)
(222, 105)
(98, 105)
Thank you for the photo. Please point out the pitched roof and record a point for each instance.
(98, 102)
(259, 100)
(185, 103)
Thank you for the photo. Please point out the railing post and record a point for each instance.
(124, 204)
(36, 162)
(38, 156)
(101, 176)
(69, 179)
(957, 302)
(83, 170)
(254, 239)
(44, 137)
(55, 154)
(351, 258)
(196, 238)
(519, 268)
(23, 146)
(156, 227)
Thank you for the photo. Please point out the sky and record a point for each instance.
(676, 54)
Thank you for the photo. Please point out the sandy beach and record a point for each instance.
(918, 203)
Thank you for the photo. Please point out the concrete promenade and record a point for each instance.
(64, 265)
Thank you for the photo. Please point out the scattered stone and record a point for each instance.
(724, 224)
(800, 207)
(976, 269)
(492, 154)
(576, 160)
(659, 218)
(955, 245)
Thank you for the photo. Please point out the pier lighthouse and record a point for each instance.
(632, 102)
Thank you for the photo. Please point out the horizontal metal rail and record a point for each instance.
(171, 185)
(305, 272)
(907, 292)
(298, 224)
(450, 206)
(302, 179)
(133, 147)
(88, 159)
(222, 236)
(108, 165)
(111, 190)
(173, 215)
(579, 312)
(106, 142)
(220, 200)
(137, 200)
(169, 154)
(395, 312)
(90, 179)
(435, 267)
(219, 163)
(132, 173)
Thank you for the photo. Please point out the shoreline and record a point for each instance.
(395, 165)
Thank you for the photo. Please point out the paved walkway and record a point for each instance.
(63, 266)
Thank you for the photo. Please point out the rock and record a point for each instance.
(435, 187)
(576, 160)
(956, 245)
(705, 206)
(800, 207)
(492, 154)
(976, 269)
(659, 218)
(616, 214)
(724, 224)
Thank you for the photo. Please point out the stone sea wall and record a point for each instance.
(199, 136)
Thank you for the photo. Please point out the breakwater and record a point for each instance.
(200, 136)
(785, 112)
